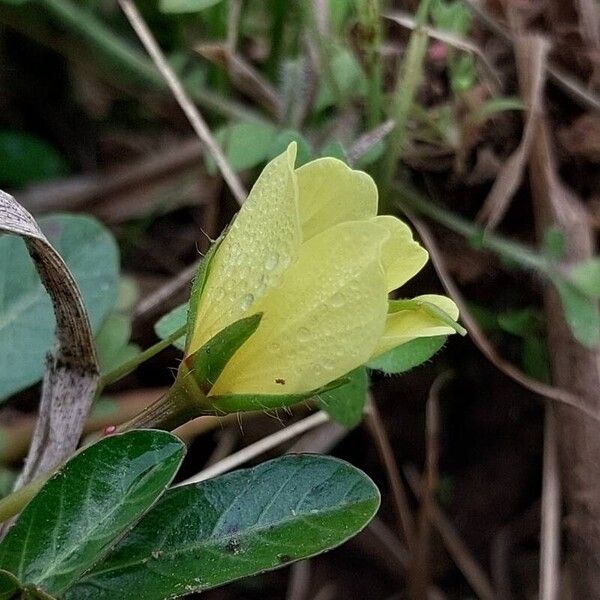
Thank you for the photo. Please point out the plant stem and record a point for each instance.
(14, 503)
(370, 33)
(409, 78)
(518, 253)
(133, 363)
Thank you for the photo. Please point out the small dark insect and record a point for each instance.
(284, 558)
(280, 381)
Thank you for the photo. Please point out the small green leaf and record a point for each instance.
(248, 402)
(283, 139)
(586, 277)
(246, 145)
(9, 585)
(345, 404)
(204, 535)
(581, 313)
(185, 6)
(523, 322)
(207, 363)
(407, 356)
(554, 243)
(26, 316)
(87, 505)
(112, 342)
(26, 159)
(168, 324)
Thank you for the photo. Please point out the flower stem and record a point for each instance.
(133, 363)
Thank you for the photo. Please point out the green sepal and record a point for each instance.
(206, 364)
(345, 404)
(250, 402)
(198, 286)
(407, 356)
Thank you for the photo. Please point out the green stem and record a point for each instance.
(409, 78)
(370, 33)
(520, 254)
(133, 363)
(14, 503)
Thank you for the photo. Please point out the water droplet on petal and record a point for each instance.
(247, 301)
(337, 300)
(271, 262)
(303, 334)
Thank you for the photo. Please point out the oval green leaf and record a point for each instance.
(26, 316)
(85, 507)
(201, 536)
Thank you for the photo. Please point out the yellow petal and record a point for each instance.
(323, 321)
(331, 192)
(402, 257)
(263, 240)
(406, 325)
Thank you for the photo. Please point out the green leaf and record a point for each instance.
(26, 159)
(168, 324)
(248, 402)
(554, 243)
(334, 149)
(112, 342)
(345, 404)
(204, 535)
(350, 79)
(407, 356)
(207, 363)
(586, 277)
(283, 139)
(9, 585)
(185, 6)
(581, 313)
(26, 315)
(87, 505)
(246, 145)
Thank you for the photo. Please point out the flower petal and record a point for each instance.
(331, 192)
(402, 257)
(263, 240)
(406, 325)
(323, 321)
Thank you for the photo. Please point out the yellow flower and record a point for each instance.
(308, 252)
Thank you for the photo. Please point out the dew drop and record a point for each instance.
(338, 300)
(271, 262)
(247, 300)
(303, 334)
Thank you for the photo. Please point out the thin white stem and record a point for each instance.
(186, 104)
(258, 448)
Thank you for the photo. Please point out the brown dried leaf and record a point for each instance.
(71, 375)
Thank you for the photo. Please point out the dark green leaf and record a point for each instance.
(248, 402)
(335, 150)
(84, 508)
(201, 536)
(26, 159)
(407, 356)
(9, 585)
(581, 313)
(26, 315)
(523, 322)
(207, 363)
(345, 404)
(168, 324)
